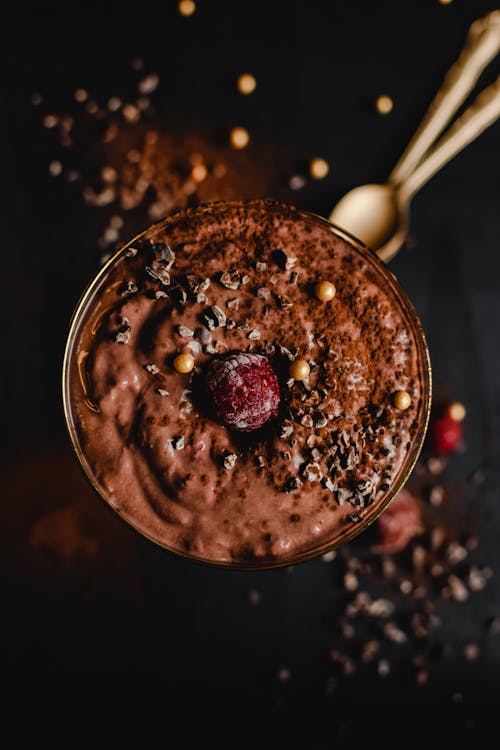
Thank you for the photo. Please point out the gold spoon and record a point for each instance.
(378, 214)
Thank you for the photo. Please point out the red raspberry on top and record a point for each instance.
(243, 391)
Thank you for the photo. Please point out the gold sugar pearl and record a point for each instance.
(384, 105)
(239, 137)
(456, 411)
(299, 370)
(246, 83)
(324, 291)
(402, 400)
(186, 7)
(184, 363)
(319, 168)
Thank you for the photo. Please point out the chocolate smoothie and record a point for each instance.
(230, 406)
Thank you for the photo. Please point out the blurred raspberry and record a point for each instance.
(243, 391)
(398, 523)
(446, 435)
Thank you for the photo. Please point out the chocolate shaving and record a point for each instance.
(284, 302)
(178, 443)
(184, 331)
(286, 429)
(163, 254)
(231, 280)
(215, 317)
(292, 484)
(230, 460)
(128, 287)
(159, 274)
(124, 333)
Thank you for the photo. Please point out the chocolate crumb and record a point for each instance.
(284, 302)
(230, 460)
(286, 429)
(184, 331)
(159, 274)
(178, 442)
(293, 483)
(202, 335)
(230, 280)
(128, 287)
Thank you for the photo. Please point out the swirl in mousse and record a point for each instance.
(246, 385)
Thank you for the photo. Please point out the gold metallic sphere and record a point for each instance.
(324, 291)
(299, 370)
(184, 363)
(402, 400)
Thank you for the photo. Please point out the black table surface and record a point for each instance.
(96, 619)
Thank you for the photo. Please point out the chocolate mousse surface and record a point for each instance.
(238, 277)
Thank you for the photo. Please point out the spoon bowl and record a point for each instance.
(376, 215)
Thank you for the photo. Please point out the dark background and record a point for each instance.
(96, 619)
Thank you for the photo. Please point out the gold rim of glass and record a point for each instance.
(411, 457)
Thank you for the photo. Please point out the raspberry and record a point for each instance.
(398, 523)
(446, 435)
(243, 391)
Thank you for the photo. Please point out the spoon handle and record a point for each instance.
(481, 114)
(481, 46)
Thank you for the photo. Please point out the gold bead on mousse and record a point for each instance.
(324, 291)
(184, 363)
(402, 400)
(299, 370)
(456, 411)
